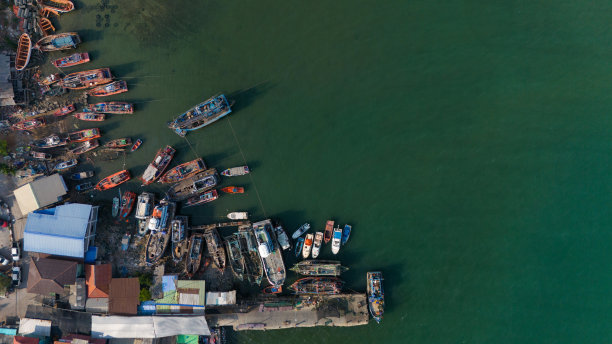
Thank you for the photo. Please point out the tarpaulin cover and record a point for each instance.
(147, 326)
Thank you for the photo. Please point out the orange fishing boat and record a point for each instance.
(29, 124)
(84, 135)
(71, 60)
(23, 51)
(59, 6)
(45, 26)
(88, 116)
(113, 180)
(65, 110)
(183, 171)
(88, 78)
(115, 87)
(233, 189)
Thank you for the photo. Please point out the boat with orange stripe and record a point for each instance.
(24, 48)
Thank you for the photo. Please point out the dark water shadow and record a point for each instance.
(107, 127)
(124, 68)
(141, 104)
(93, 54)
(291, 220)
(88, 35)
(212, 160)
(247, 96)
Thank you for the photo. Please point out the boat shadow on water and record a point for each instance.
(88, 35)
(122, 70)
(247, 96)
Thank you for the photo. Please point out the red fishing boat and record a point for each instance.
(24, 48)
(29, 124)
(88, 78)
(65, 110)
(182, 171)
(113, 180)
(233, 189)
(136, 145)
(329, 231)
(88, 116)
(114, 87)
(84, 135)
(158, 165)
(71, 60)
(127, 204)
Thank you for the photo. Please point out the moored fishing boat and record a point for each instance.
(206, 197)
(88, 116)
(114, 87)
(238, 215)
(88, 78)
(59, 6)
(116, 203)
(194, 254)
(303, 229)
(65, 110)
(316, 246)
(156, 246)
(158, 165)
(179, 230)
(215, 248)
(269, 252)
(299, 245)
(307, 245)
(51, 141)
(66, 164)
(46, 26)
(113, 180)
(201, 115)
(346, 233)
(111, 107)
(319, 268)
(82, 175)
(85, 147)
(162, 215)
(317, 286)
(233, 189)
(236, 260)
(61, 41)
(40, 155)
(29, 124)
(136, 145)
(24, 49)
(71, 60)
(84, 135)
(236, 171)
(144, 206)
(376, 295)
(248, 245)
(183, 171)
(336, 240)
(50, 79)
(200, 182)
(119, 143)
(329, 231)
(281, 237)
(84, 187)
(127, 204)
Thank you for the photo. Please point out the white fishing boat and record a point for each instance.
(236, 171)
(336, 240)
(144, 206)
(238, 215)
(316, 247)
(281, 236)
(307, 245)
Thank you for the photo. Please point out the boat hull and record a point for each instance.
(24, 49)
(110, 89)
(376, 295)
(71, 60)
(201, 115)
(62, 41)
(183, 171)
(113, 180)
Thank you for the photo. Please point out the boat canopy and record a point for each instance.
(263, 250)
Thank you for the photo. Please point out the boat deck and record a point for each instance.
(184, 188)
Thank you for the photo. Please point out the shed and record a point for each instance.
(48, 275)
(221, 298)
(124, 296)
(98, 280)
(65, 230)
(40, 193)
(78, 295)
(35, 327)
(97, 305)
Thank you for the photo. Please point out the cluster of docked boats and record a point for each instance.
(312, 243)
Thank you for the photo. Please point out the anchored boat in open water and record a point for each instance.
(119, 108)
(269, 252)
(84, 135)
(179, 230)
(127, 204)
(201, 115)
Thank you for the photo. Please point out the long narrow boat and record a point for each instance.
(119, 143)
(66, 164)
(50, 79)
(303, 229)
(233, 189)
(158, 165)
(82, 175)
(194, 254)
(88, 116)
(215, 248)
(317, 286)
(201, 115)
(88, 78)
(156, 246)
(236, 260)
(346, 233)
(206, 197)
(51, 141)
(115, 210)
(316, 246)
(24, 49)
(145, 205)
(319, 268)
(127, 204)
(61, 41)
(299, 245)
(65, 110)
(29, 124)
(269, 252)
(113, 180)
(111, 107)
(114, 87)
(162, 216)
(307, 245)
(336, 240)
(236, 171)
(182, 171)
(329, 231)
(196, 184)
(60, 6)
(84, 135)
(46, 26)
(71, 60)
(376, 295)
(178, 226)
(281, 237)
(238, 215)
(249, 250)
(85, 147)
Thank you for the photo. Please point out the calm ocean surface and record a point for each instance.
(468, 143)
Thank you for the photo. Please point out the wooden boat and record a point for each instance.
(238, 215)
(61, 41)
(201, 115)
(40, 155)
(84, 135)
(317, 286)
(346, 233)
(82, 175)
(273, 289)
(71, 60)
(179, 230)
(299, 245)
(59, 6)
(336, 240)
(119, 143)
(236, 171)
(307, 245)
(158, 165)
(329, 231)
(215, 248)
(316, 247)
(29, 124)
(182, 171)
(65, 110)
(233, 189)
(206, 197)
(376, 295)
(85, 147)
(144, 206)
(24, 49)
(114, 87)
(50, 79)
(111, 107)
(88, 116)
(319, 268)
(136, 145)
(194, 254)
(156, 246)
(66, 164)
(200, 182)
(51, 141)
(236, 260)
(116, 203)
(88, 78)
(281, 237)
(127, 204)
(303, 229)
(113, 180)
(84, 187)
(45, 26)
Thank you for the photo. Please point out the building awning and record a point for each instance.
(147, 326)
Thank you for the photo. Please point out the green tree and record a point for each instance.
(5, 281)
(144, 279)
(145, 295)
(6, 169)
(3, 148)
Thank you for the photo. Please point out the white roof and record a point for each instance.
(221, 298)
(35, 327)
(147, 326)
(40, 193)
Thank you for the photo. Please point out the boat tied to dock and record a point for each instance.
(299, 245)
(376, 295)
(88, 116)
(193, 186)
(57, 6)
(234, 253)
(236, 171)
(269, 252)
(64, 110)
(319, 268)
(85, 147)
(281, 237)
(179, 231)
(71, 60)
(64, 165)
(346, 233)
(201, 115)
(158, 165)
(317, 286)
(206, 197)
(238, 215)
(336, 240)
(233, 189)
(118, 108)
(113, 180)
(118, 143)
(82, 175)
(303, 229)
(29, 124)
(215, 248)
(159, 236)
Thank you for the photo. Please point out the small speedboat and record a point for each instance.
(346, 233)
(236, 171)
(233, 189)
(307, 245)
(238, 215)
(336, 240)
(136, 145)
(299, 244)
(303, 229)
(82, 175)
(88, 116)
(65, 110)
(66, 164)
(281, 237)
(329, 231)
(115, 206)
(84, 187)
(316, 247)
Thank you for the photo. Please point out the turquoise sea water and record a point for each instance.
(467, 142)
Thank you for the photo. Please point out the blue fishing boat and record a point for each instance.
(298, 246)
(201, 115)
(66, 164)
(84, 187)
(376, 295)
(346, 233)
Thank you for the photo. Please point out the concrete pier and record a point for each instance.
(332, 310)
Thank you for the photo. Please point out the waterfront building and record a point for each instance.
(40, 193)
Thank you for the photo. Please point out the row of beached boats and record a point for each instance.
(312, 243)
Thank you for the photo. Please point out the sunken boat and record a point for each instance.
(51, 141)
(160, 234)
(114, 87)
(236, 260)
(119, 108)
(179, 230)
(254, 270)
(71, 60)
(84, 135)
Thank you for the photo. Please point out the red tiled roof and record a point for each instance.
(24, 340)
(124, 296)
(50, 275)
(98, 280)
